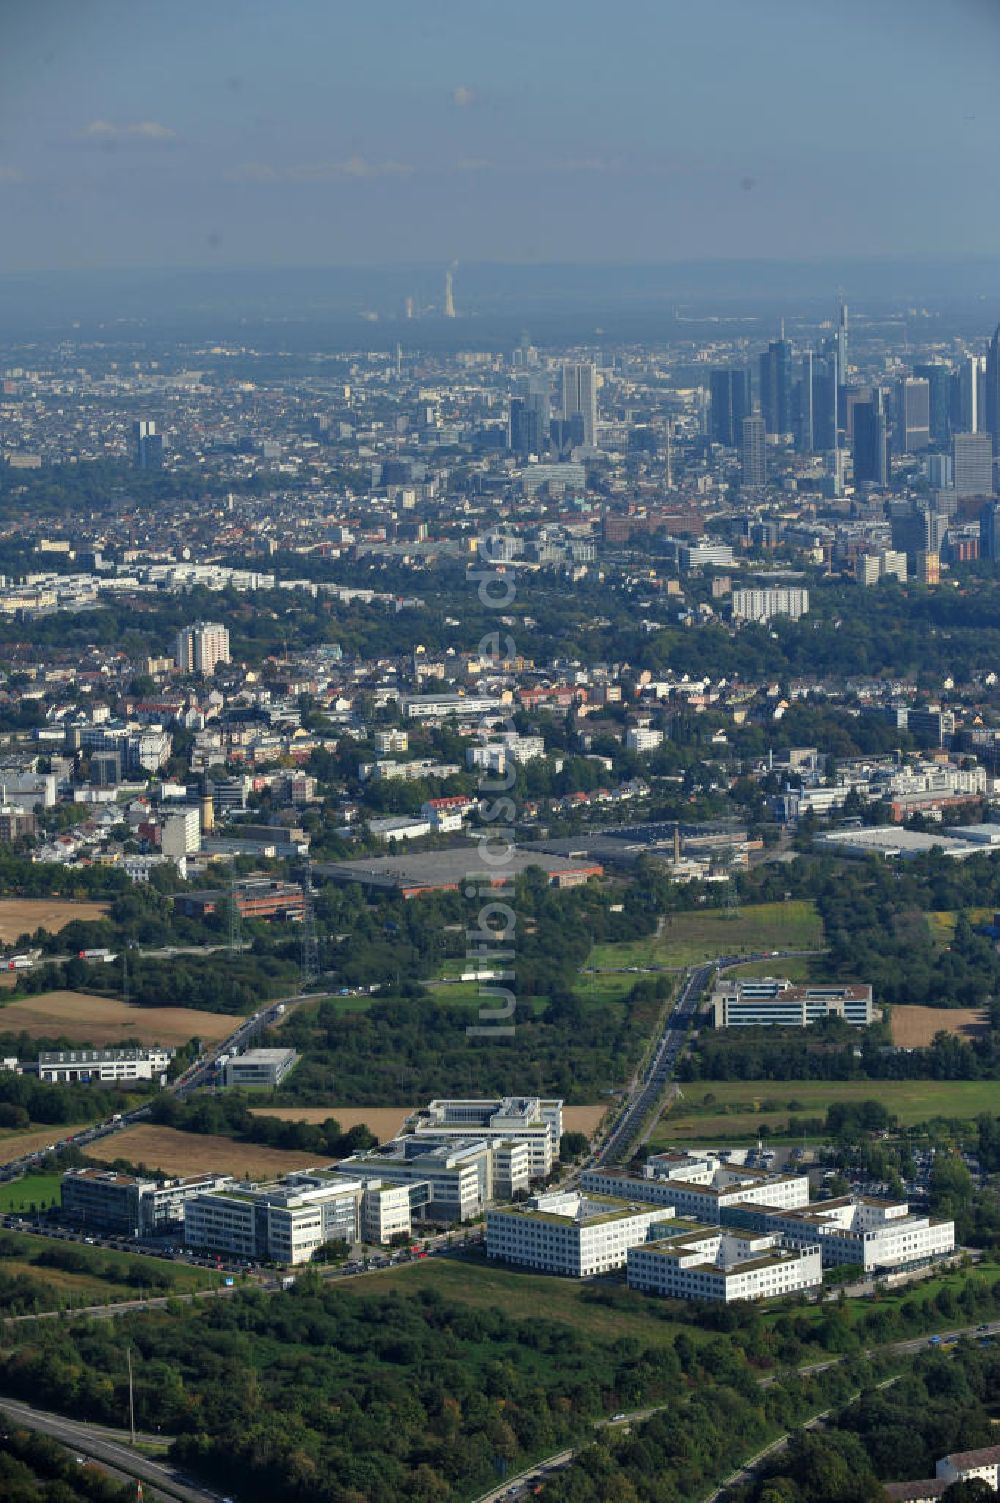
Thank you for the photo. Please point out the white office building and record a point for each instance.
(258, 1068)
(769, 1002)
(521, 1119)
(701, 1190)
(67, 1066)
(578, 1236)
(642, 738)
(712, 1264)
(876, 1235)
(284, 1222)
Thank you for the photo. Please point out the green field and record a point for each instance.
(795, 968)
(32, 1192)
(688, 938)
(741, 1107)
(471, 1280)
(91, 1275)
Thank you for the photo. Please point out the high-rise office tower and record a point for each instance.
(938, 378)
(842, 343)
(147, 445)
(201, 646)
(729, 394)
(825, 398)
(972, 464)
(989, 531)
(990, 419)
(449, 293)
(529, 423)
(753, 452)
(912, 429)
(776, 386)
(965, 383)
(804, 406)
(579, 399)
(871, 442)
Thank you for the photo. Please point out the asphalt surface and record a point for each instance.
(95, 1441)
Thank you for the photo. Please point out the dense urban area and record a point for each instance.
(501, 915)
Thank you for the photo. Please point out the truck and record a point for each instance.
(99, 956)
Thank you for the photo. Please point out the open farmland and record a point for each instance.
(24, 915)
(175, 1152)
(384, 1121)
(14, 1145)
(915, 1027)
(735, 1110)
(88, 1019)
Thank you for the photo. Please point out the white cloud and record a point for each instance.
(106, 132)
(463, 96)
(356, 167)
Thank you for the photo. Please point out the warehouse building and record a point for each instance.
(410, 875)
(712, 1264)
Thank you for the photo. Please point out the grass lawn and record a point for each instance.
(524, 1296)
(38, 1191)
(912, 1101)
(796, 968)
(941, 922)
(98, 1276)
(689, 938)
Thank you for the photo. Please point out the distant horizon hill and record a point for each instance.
(363, 307)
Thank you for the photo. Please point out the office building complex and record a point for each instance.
(529, 424)
(450, 1180)
(521, 1119)
(939, 389)
(577, 1236)
(753, 453)
(876, 1235)
(201, 646)
(722, 1265)
(128, 1205)
(768, 1002)
(287, 1221)
(699, 1185)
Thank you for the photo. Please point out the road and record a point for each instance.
(659, 1070)
(111, 1447)
(560, 1459)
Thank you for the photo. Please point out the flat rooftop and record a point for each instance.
(437, 870)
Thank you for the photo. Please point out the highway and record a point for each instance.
(659, 1070)
(111, 1447)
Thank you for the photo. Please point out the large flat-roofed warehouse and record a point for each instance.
(447, 871)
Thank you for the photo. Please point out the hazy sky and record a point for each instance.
(273, 132)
